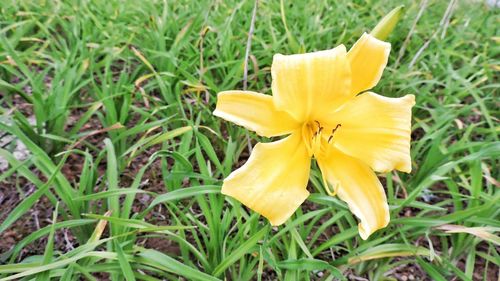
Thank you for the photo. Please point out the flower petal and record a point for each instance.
(368, 58)
(255, 112)
(359, 187)
(273, 181)
(376, 130)
(310, 83)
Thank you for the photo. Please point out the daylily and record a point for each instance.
(318, 101)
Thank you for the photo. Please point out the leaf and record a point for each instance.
(42, 232)
(108, 193)
(156, 139)
(185, 193)
(124, 263)
(240, 251)
(28, 202)
(340, 237)
(43, 162)
(431, 270)
(159, 260)
(485, 233)
(31, 269)
(49, 248)
(310, 265)
(138, 224)
(99, 229)
(389, 250)
(209, 150)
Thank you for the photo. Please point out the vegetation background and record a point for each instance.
(111, 161)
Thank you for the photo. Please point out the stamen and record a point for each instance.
(320, 129)
(330, 189)
(316, 142)
(330, 138)
(336, 127)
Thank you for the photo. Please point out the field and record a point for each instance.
(111, 161)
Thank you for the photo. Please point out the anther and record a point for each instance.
(336, 127)
(333, 132)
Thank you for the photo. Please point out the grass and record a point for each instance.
(127, 90)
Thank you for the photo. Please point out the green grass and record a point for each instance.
(142, 79)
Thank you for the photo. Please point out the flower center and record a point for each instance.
(318, 139)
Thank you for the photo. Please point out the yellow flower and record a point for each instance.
(317, 102)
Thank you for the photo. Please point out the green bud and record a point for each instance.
(387, 24)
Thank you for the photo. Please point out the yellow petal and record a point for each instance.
(368, 58)
(376, 130)
(359, 187)
(255, 112)
(310, 83)
(273, 181)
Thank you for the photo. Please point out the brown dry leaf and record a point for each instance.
(99, 229)
(485, 233)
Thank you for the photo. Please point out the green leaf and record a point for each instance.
(337, 238)
(29, 201)
(112, 179)
(42, 232)
(310, 265)
(109, 193)
(240, 251)
(159, 260)
(431, 270)
(389, 250)
(124, 263)
(187, 192)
